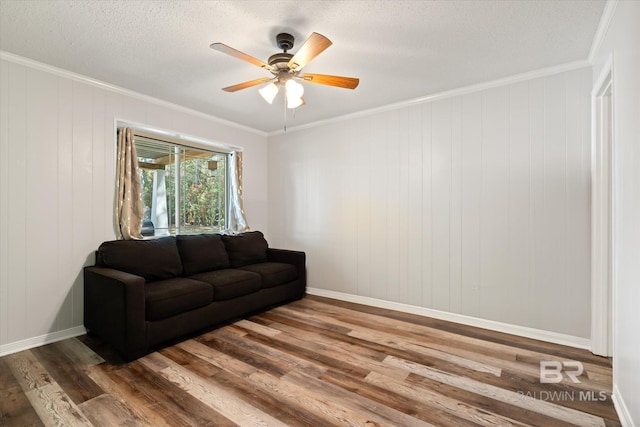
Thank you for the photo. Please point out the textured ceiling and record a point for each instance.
(400, 50)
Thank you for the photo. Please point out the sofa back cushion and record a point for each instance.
(246, 248)
(155, 259)
(202, 252)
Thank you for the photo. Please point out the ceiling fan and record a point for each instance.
(286, 69)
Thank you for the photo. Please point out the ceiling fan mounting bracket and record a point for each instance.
(285, 41)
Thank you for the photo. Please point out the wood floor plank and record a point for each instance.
(217, 398)
(562, 413)
(81, 355)
(382, 396)
(15, 408)
(289, 361)
(433, 399)
(314, 362)
(369, 411)
(54, 407)
(142, 409)
(69, 376)
(106, 410)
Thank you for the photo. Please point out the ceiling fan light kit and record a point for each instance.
(286, 68)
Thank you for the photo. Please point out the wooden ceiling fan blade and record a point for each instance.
(221, 47)
(245, 85)
(312, 47)
(337, 81)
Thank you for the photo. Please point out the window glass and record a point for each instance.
(184, 188)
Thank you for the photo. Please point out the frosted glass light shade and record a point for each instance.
(269, 92)
(294, 102)
(294, 93)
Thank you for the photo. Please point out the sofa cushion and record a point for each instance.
(230, 283)
(273, 273)
(166, 298)
(246, 248)
(202, 252)
(155, 259)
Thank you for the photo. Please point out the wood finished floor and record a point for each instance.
(315, 362)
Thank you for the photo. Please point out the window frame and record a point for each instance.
(183, 145)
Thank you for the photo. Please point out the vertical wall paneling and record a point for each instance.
(64, 240)
(577, 188)
(113, 107)
(425, 291)
(538, 232)
(99, 203)
(82, 179)
(455, 224)
(17, 205)
(441, 200)
(41, 201)
(349, 212)
(518, 209)
(378, 207)
(494, 202)
(555, 212)
(362, 164)
(474, 204)
(4, 202)
(410, 289)
(471, 160)
(400, 284)
(57, 179)
(396, 152)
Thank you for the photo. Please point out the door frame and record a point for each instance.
(602, 212)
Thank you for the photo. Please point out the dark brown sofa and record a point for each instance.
(143, 293)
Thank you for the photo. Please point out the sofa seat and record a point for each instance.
(273, 273)
(166, 298)
(230, 283)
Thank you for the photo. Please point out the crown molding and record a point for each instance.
(122, 91)
(390, 107)
(603, 27)
(443, 95)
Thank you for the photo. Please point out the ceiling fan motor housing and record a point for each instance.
(280, 61)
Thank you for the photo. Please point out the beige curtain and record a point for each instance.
(129, 210)
(237, 219)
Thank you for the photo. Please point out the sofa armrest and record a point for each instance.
(114, 309)
(296, 258)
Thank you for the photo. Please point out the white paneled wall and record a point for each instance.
(476, 204)
(57, 177)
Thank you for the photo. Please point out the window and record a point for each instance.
(184, 189)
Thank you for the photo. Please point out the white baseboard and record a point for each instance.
(523, 331)
(17, 346)
(621, 408)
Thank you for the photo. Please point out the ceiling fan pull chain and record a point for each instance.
(285, 112)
